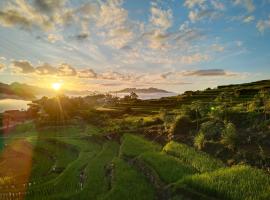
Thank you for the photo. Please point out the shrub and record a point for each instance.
(182, 125)
(229, 136)
(212, 129)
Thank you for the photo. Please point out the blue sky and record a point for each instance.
(176, 45)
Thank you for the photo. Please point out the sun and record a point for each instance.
(56, 86)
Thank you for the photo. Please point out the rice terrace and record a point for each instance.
(134, 100)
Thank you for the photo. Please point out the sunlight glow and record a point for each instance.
(56, 86)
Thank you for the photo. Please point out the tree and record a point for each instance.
(196, 105)
(133, 96)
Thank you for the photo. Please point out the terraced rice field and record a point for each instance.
(80, 163)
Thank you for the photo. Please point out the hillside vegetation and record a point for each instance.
(211, 144)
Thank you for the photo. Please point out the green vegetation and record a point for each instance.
(237, 182)
(198, 145)
(168, 168)
(128, 183)
(199, 160)
(133, 146)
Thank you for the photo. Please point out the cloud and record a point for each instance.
(11, 18)
(42, 14)
(112, 75)
(218, 48)
(66, 70)
(113, 23)
(248, 4)
(262, 25)
(193, 3)
(53, 38)
(119, 37)
(82, 36)
(87, 73)
(46, 69)
(111, 14)
(218, 5)
(248, 19)
(2, 66)
(194, 58)
(161, 18)
(49, 6)
(24, 67)
(208, 72)
(197, 15)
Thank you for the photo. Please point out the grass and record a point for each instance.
(191, 174)
(133, 146)
(128, 183)
(168, 168)
(237, 182)
(96, 183)
(199, 160)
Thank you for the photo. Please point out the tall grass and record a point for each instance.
(128, 183)
(235, 183)
(133, 146)
(168, 168)
(199, 160)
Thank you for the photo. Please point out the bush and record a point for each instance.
(229, 136)
(182, 126)
(212, 129)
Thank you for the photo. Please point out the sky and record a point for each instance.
(107, 45)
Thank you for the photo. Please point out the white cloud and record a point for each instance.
(43, 14)
(196, 15)
(194, 58)
(262, 25)
(66, 70)
(161, 18)
(112, 20)
(249, 19)
(193, 3)
(2, 66)
(53, 38)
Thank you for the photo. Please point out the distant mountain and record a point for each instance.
(142, 90)
(21, 91)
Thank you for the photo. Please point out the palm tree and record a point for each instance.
(196, 105)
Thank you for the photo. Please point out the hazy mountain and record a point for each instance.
(142, 90)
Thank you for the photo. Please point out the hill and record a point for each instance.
(18, 90)
(142, 90)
